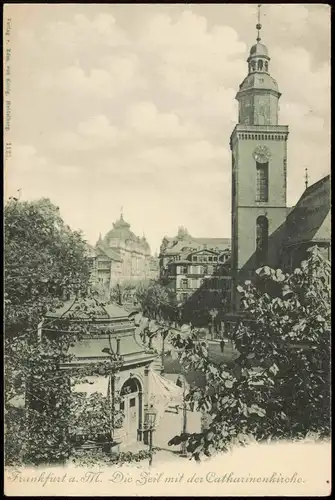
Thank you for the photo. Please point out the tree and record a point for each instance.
(280, 385)
(123, 293)
(156, 301)
(44, 262)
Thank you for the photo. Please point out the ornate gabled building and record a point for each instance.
(121, 257)
(186, 262)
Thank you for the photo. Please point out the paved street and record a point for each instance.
(172, 366)
(167, 428)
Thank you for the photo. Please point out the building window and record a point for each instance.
(194, 258)
(262, 237)
(260, 65)
(262, 181)
(210, 259)
(184, 284)
(266, 66)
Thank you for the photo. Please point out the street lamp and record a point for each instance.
(183, 444)
(150, 415)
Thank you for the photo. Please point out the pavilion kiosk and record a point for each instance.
(113, 330)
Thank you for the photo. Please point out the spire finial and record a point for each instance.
(258, 25)
(306, 177)
(121, 216)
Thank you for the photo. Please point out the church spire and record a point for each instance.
(258, 25)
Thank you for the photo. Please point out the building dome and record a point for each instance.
(144, 243)
(120, 232)
(259, 49)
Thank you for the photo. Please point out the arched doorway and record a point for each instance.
(131, 406)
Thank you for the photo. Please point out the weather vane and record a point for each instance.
(258, 25)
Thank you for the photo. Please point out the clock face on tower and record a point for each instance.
(262, 154)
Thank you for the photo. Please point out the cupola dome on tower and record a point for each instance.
(259, 49)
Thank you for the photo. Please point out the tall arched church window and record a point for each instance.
(260, 64)
(262, 181)
(262, 237)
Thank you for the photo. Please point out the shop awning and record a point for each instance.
(164, 393)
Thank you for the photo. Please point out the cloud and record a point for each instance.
(120, 75)
(300, 80)
(148, 100)
(25, 164)
(192, 58)
(185, 158)
(82, 32)
(25, 158)
(144, 119)
(90, 135)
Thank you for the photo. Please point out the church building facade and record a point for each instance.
(259, 168)
(264, 230)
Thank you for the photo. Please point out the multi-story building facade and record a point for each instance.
(123, 257)
(187, 264)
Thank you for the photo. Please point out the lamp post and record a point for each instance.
(150, 415)
(183, 451)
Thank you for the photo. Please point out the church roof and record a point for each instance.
(310, 218)
(189, 244)
(105, 311)
(111, 254)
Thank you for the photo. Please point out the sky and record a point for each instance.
(132, 106)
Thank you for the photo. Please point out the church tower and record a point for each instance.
(259, 161)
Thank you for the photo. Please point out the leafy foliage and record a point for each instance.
(45, 262)
(157, 301)
(82, 458)
(279, 385)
